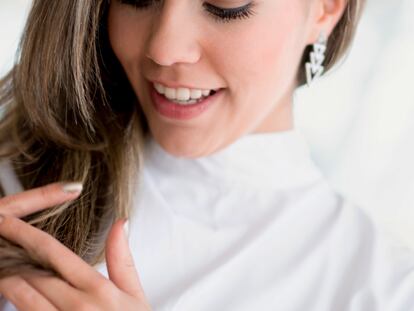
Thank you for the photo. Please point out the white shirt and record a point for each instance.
(256, 226)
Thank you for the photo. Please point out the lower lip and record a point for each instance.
(176, 111)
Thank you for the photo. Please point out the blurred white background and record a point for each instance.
(12, 18)
(358, 119)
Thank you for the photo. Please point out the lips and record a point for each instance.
(172, 110)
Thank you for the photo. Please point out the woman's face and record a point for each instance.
(253, 60)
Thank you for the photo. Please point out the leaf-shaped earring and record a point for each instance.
(314, 68)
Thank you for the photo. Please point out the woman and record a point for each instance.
(178, 116)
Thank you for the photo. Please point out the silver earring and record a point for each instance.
(314, 68)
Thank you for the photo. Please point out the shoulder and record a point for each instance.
(376, 271)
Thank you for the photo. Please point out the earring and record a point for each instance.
(314, 69)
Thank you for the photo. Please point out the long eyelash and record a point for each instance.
(139, 4)
(219, 14)
(226, 15)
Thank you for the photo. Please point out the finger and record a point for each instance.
(34, 200)
(23, 296)
(119, 261)
(48, 250)
(58, 292)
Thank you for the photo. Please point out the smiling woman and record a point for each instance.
(250, 76)
(177, 114)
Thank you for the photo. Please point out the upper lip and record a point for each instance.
(176, 85)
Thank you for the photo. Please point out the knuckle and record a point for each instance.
(10, 205)
(7, 202)
(26, 295)
(102, 288)
(22, 291)
(9, 224)
(45, 192)
(130, 264)
(19, 286)
(18, 210)
(42, 246)
(49, 246)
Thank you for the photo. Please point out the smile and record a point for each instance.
(182, 103)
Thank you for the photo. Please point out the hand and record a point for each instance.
(80, 287)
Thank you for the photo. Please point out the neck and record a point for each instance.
(281, 117)
(276, 160)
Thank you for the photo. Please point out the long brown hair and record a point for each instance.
(70, 114)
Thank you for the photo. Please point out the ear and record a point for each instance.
(325, 16)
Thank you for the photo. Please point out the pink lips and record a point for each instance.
(180, 112)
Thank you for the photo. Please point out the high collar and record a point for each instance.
(275, 160)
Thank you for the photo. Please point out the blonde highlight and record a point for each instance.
(70, 115)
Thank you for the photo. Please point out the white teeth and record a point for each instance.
(196, 94)
(206, 92)
(190, 102)
(181, 94)
(170, 93)
(160, 89)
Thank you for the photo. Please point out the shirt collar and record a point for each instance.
(275, 160)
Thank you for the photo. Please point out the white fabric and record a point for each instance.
(8, 180)
(257, 227)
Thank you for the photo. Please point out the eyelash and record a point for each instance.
(219, 14)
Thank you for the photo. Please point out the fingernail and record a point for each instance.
(74, 187)
(126, 227)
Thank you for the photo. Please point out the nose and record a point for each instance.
(173, 39)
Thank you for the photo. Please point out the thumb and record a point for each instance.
(119, 261)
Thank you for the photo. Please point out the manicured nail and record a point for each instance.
(72, 188)
(126, 227)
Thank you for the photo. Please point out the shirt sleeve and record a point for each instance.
(378, 270)
(9, 182)
(6, 305)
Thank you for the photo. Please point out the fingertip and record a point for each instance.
(74, 188)
(116, 233)
(125, 226)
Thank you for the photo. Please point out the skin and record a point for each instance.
(254, 59)
(258, 77)
(85, 290)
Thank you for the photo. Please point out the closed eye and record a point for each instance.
(218, 13)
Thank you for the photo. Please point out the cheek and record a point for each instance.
(125, 39)
(263, 64)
